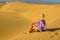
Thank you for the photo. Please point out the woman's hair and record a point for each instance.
(43, 22)
(43, 15)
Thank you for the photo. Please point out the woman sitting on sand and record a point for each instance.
(38, 26)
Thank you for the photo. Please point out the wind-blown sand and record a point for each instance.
(16, 18)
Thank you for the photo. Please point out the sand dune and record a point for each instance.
(16, 18)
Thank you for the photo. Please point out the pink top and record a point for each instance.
(40, 24)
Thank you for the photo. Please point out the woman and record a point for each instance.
(38, 26)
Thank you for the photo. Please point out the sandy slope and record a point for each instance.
(16, 17)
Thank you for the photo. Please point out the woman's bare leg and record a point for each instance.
(33, 28)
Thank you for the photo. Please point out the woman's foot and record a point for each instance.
(26, 32)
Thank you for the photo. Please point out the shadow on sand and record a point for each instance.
(53, 29)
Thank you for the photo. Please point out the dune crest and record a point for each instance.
(13, 7)
(30, 11)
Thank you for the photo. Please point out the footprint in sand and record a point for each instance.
(51, 37)
(56, 33)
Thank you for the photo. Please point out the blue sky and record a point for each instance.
(53, 0)
(58, 1)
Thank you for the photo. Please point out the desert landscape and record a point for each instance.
(16, 18)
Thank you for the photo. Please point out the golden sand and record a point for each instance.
(16, 17)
